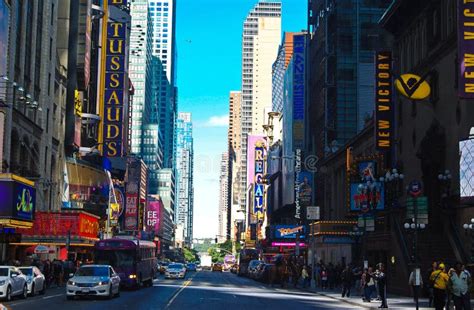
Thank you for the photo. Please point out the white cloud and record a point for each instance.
(218, 121)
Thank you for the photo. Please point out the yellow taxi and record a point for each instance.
(217, 267)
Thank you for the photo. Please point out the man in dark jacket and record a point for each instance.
(381, 278)
(347, 279)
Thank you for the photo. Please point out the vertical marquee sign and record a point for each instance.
(112, 107)
(466, 48)
(258, 185)
(383, 101)
(298, 89)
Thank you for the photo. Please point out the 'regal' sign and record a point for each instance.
(466, 48)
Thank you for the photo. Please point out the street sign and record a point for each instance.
(312, 213)
(415, 188)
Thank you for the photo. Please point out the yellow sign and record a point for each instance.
(77, 103)
(413, 86)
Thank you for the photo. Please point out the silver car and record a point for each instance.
(175, 270)
(94, 280)
(12, 283)
(35, 280)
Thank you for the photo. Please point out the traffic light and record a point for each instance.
(215, 240)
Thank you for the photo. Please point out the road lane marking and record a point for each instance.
(175, 295)
(52, 296)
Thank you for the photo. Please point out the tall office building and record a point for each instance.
(285, 52)
(223, 199)
(345, 35)
(260, 40)
(163, 18)
(184, 175)
(234, 133)
(139, 71)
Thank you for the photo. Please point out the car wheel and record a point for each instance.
(32, 290)
(43, 290)
(9, 294)
(25, 292)
(111, 293)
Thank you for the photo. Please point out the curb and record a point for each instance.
(349, 302)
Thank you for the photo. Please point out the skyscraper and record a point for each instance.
(223, 199)
(163, 17)
(184, 175)
(139, 72)
(345, 36)
(234, 135)
(260, 40)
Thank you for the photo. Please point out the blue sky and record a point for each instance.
(209, 35)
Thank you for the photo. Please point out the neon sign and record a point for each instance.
(258, 184)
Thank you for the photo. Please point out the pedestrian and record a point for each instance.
(317, 275)
(305, 276)
(346, 279)
(429, 286)
(310, 274)
(381, 278)
(439, 278)
(324, 278)
(459, 284)
(415, 287)
(369, 284)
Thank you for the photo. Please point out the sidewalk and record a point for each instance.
(394, 302)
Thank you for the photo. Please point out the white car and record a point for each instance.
(35, 280)
(94, 280)
(175, 270)
(12, 283)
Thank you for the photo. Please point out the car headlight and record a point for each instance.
(3, 282)
(71, 283)
(132, 276)
(103, 282)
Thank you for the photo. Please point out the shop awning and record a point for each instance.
(82, 175)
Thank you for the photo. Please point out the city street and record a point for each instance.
(201, 290)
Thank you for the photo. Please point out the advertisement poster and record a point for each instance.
(305, 179)
(131, 212)
(289, 231)
(367, 170)
(18, 200)
(153, 216)
(367, 198)
(4, 20)
(466, 170)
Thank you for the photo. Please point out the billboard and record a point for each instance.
(364, 198)
(466, 49)
(153, 216)
(466, 170)
(4, 21)
(258, 179)
(289, 231)
(298, 90)
(18, 200)
(131, 212)
(115, 89)
(367, 170)
(383, 101)
(305, 188)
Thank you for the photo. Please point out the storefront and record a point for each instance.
(332, 241)
(67, 234)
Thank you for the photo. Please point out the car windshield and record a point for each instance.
(175, 266)
(117, 259)
(93, 272)
(27, 271)
(3, 272)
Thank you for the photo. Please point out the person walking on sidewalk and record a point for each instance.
(324, 278)
(439, 278)
(368, 282)
(347, 279)
(415, 286)
(305, 276)
(429, 286)
(459, 284)
(381, 278)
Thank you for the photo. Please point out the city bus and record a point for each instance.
(229, 261)
(134, 260)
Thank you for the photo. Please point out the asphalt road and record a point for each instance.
(200, 290)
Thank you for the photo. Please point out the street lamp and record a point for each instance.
(470, 228)
(415, 226)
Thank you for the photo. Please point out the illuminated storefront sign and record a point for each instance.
(383, 101)
(288, 244)
(289, 231)
(78, 224)
(466, 49)
(258, 184)
(18, 198)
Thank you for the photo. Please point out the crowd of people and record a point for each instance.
(449, 286)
